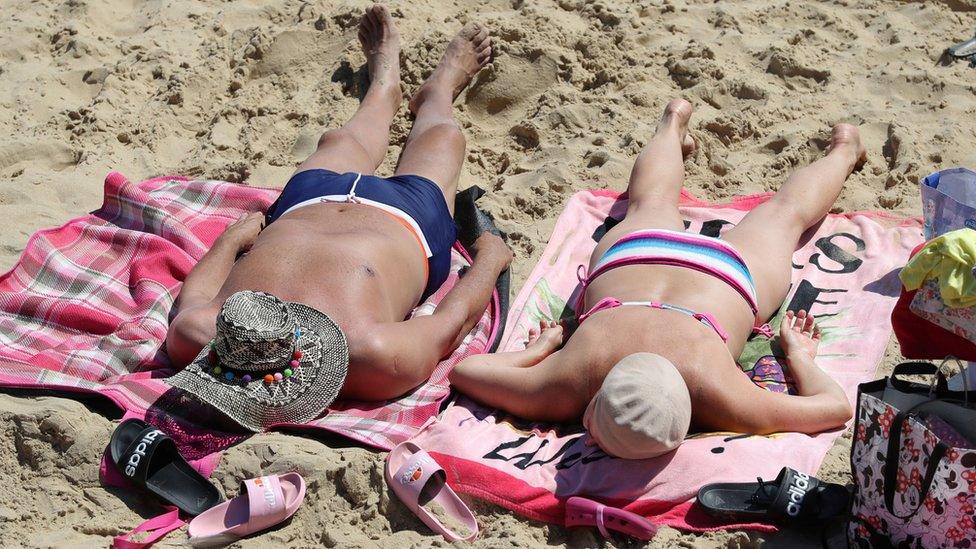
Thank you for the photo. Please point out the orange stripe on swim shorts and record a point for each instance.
(420, 242)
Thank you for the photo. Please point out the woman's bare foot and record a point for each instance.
(846, 139)
(676, 116)
(381, 44)
(545, 339)
(468, 53)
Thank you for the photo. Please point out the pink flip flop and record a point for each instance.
(422, 485)
(262, 503)
(585, 512)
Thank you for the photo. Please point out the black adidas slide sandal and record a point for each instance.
(148, 458)
(792, 497)
(963, 49)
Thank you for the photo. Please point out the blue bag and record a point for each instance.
(949, 201)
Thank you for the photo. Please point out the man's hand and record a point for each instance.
(799, 336)
(492, 249)
(241, 234)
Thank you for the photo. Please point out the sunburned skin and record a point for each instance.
(354, 262)
(552, 381)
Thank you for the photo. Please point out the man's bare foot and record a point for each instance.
(546, 338)
(676, 116)
(381, 44)
(468, 53)
(846, 139)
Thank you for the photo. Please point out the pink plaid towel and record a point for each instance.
(86, 310)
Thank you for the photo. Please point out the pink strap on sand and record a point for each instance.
(159, 526)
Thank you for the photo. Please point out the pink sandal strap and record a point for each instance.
(416, 471)
(266, 501)
(599, 521)
(158, 526)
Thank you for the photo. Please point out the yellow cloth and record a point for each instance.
(949, 258)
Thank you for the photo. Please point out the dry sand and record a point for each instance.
(241, 90)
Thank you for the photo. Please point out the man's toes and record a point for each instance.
(470, 30)
(481, 36)
(680, 108)
(366, 24)
(374, 18)
(384, 18)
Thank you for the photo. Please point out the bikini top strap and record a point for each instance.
(711, 321)
(605, 303)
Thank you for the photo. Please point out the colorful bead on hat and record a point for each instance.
(270, 378)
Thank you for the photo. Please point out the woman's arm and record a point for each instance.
(739, 405)
(729, 401)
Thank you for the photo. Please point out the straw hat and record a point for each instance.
(270, 362)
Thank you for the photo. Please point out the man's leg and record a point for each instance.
(360, 145)
(770, 233)
(435, 146)
(656, 179)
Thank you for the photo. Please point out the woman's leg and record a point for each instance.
(770, 233)
(435, 146)
(656, 179)
(360, 145)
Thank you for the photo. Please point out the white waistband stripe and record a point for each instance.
(360, 200)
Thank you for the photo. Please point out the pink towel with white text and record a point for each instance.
(846, 275)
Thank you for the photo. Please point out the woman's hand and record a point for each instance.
(799, 335)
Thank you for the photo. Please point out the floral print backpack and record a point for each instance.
(914, 462)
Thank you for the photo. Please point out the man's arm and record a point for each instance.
(208, 275)
(193, 325)
(411, 349)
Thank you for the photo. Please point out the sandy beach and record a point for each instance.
(241, 91)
